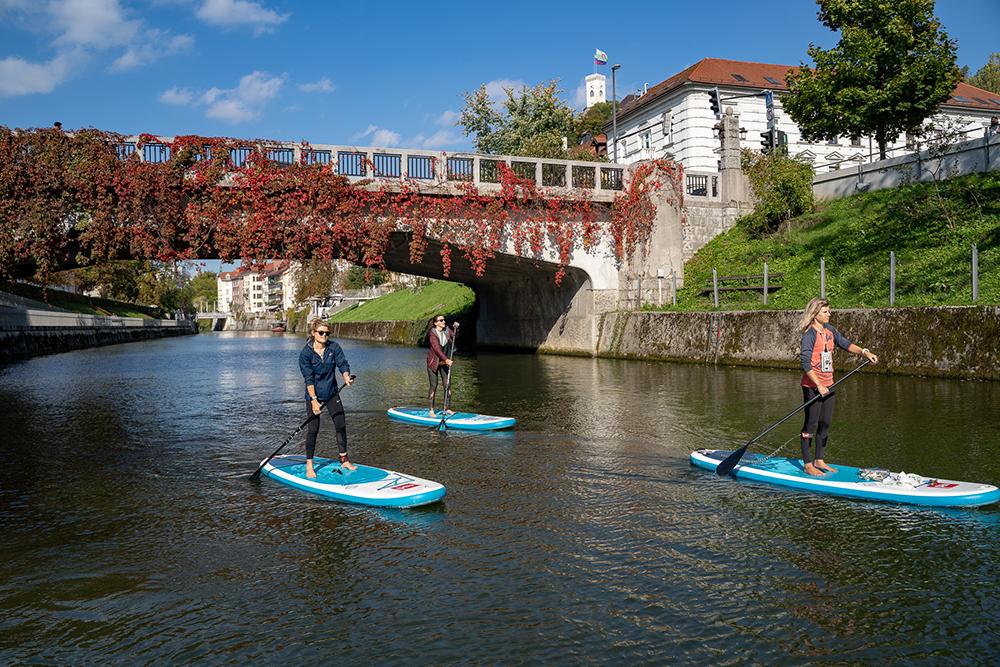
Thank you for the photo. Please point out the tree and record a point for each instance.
(359, 276)
(988, 76)
(314, 278)
(205, 289)
(893, 67)
(782, 187)
(592, 121)
(531, 122)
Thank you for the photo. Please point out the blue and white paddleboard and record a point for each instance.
(365, 486)
(846, 481)
(464, 420)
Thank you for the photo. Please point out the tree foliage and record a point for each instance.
(71, 199)
(530, 122)
(782, 187)
(314, 278)
(893, 67)
(988, 76)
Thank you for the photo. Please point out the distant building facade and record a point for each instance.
(674, 119)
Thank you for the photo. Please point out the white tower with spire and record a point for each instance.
(595, 89)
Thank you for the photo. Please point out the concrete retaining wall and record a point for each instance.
(28, 333)
(947, 341)
(974, 155)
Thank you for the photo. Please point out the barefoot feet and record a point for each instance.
(812, 470)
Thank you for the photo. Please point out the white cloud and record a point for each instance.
(156, 45)
(233, 13)
(380, 136)
(448, 118)
(580, 97)
(440, 139)
(179, 96)
(496, 89)
(20, 77)
(324, 85)
(94, 23)
(244, 102)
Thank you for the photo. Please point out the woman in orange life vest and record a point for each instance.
(818, 339)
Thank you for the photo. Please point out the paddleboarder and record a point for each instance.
(439, 360)
(319, 362)
(818, 340)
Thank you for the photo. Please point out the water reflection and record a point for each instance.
(582, 535)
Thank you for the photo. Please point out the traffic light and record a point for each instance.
(715, 100)
(767, 141)
(782, 138)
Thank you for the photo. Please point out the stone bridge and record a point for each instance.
(520, 304)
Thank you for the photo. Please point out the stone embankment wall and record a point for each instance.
(940, 341)
(404, 332)
(19, 340)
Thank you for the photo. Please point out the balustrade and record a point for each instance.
(357, 163)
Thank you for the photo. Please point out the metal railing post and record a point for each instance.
(975, 273)
(673, 286)
(715, 287)
(822, 277)
(892, 278)
(765, 283)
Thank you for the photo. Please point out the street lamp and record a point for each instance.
(614, 112)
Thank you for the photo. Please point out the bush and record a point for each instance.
(782, 187)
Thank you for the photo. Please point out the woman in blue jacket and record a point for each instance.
(319, 362)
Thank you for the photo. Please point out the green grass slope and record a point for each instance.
(930, 226)
(417, 303)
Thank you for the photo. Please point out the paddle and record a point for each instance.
(447, 383)
(730, 461)
(256, 474)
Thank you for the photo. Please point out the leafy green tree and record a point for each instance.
(359, 276)
(315, 278)
(592, 121)
(205, 289)
(530, 122)
(988, 76)
(782, 188)
(893, 67)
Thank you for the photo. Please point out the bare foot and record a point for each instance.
(348, 465)
(310, 473)
(823, 465)
(812, 470)
(430, 413)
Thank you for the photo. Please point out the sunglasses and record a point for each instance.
(322, 333)
(440, 319)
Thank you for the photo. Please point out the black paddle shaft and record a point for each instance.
(256, 473)
(447, 381)
(730, 461)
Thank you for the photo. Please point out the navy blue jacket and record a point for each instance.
(322, 373)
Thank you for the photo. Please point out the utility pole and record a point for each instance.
(614, 113)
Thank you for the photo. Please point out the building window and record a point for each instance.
(646, 139)
(739, 77)
(591, 93)
(855, 141)
(771, 79)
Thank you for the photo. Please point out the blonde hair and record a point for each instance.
(809, 314)
(316, 323)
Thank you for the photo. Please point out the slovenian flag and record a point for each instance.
(600, 57)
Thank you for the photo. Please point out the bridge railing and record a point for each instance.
(420, 166)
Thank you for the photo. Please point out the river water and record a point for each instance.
(131, 533)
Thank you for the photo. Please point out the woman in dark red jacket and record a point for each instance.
(442, 341)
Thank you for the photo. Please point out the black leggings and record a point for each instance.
(432, 380)
(818, 418)
(336, 410)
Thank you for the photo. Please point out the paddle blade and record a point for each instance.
(730, 461)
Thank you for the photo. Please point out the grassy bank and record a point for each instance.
(80, 303)
(930, 227)
(418, 303)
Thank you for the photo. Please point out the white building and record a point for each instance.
(595, 89)
(225, 284)
(674, 118)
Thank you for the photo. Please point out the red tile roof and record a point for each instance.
(718, 72)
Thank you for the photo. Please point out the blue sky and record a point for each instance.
(387, 73)
(372, 73)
